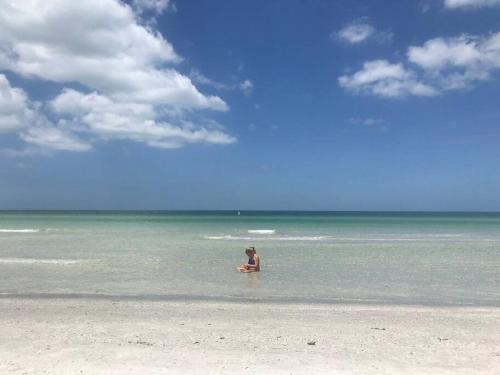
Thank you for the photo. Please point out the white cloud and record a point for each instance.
(101, 117)
(14, 111)
(246, 86)
(356, 32)
(458, 62)
(157, 6)
(382, 78)
(19, 114)
(441, 53)
(455, 4)
(200, 78)
(440, 64)
(131, 86)
(98, 43)
(361, 30)
(54, 138)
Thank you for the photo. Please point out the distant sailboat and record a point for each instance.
(239, 213)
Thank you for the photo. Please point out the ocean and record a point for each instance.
(307, 257)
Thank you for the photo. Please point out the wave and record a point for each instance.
(19, 230)
(238, 238)
(439, 238)
(29, 230)
(434, 238)
(261, 231)
(37, 261)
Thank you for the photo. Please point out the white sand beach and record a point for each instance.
(86, 336)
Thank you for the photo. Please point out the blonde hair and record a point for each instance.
(252, 249)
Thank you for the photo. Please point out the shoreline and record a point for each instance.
(99, 336)
(271, 300)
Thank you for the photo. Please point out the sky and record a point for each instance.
(250, 105)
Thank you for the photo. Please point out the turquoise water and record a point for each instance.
(423, 258)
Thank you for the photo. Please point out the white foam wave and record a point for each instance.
(19, 230)
(238, 238)
(261, 231)
(403, 239)
(442, 235)
(342, 239)
(37, 261)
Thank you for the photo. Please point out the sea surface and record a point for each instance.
(307, 257)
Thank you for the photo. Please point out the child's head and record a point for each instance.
(250, 251)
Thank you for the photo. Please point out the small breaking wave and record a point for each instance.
(261, 231)
(238, 238)
(29, 230)
(19, 230)
(37, 261)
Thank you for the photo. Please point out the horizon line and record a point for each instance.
(88, 210)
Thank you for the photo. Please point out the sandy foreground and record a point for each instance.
(86, 336)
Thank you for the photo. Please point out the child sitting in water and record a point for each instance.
(253, 264)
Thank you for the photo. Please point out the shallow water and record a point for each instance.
(423, 258)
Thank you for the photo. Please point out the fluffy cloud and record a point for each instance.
(18, 113)
(441, 53)
(14, 111)
(157, 6)
(458, 62)
(54, 138)
(361, 30)
(127, 70)
(438, 65)
(356, 32)
(100, 116)
(382, 78)
(99, 44)
(455, 4)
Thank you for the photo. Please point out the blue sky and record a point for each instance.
(300, 105)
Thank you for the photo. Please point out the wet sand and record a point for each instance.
(89, 336)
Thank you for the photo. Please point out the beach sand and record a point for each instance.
(97, 336)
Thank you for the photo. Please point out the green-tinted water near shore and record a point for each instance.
(401, 258)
